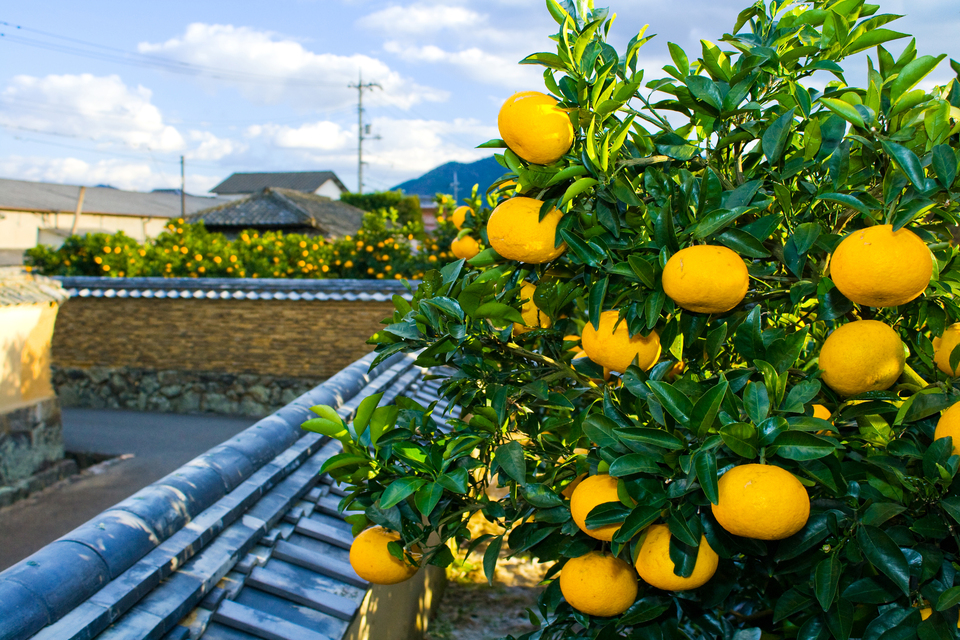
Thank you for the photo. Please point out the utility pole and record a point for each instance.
(183, 197)
(456, 185)
(362, 134)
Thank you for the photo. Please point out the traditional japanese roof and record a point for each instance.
(19, 287)
(278, 208)
(20, 195)
(243, 542)
(304, 181)
(339, 289)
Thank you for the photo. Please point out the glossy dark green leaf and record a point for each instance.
(790, 603)
(490, 557)
(879, 512)
(455, 481)
(775, 137)
(540, 495)
(633, 463)
(509, 457)
(644, 271)
(839, 619)
(595, 301)
(907, 161)
(427, 497)
(717, 220)
(655, 437)
(673, 400)
(801, 445)
(741, 438)
(607, 513)
(870, 591)
(884, 554)
(944, 161)
(951, 505)
(640, 518)
(705, 464)
(826, 580)
(847, 200)
(707, 407)
(756, 401)
(743, 243)
(601, 430)
(399, 490)
(949, 598)
(498, 312)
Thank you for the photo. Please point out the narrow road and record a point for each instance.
(159, 442)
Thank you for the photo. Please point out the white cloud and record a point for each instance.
(101, 108)
(269, 69)
(322, 135)
(420, 18)
(210, 147)
(477, 64)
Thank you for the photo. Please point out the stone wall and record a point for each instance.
(177, 391)
(31, 440)
(240, 346)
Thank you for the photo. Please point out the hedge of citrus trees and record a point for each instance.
(711, 357)
(383, 248)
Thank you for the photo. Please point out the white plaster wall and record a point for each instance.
(330, 190)
(22, 229)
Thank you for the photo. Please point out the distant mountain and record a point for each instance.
(440, 180)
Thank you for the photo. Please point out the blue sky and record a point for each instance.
(256, 86)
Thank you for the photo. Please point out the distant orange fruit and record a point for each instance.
(949, 425)
(944, 346)
(465, 247)
(460, 215)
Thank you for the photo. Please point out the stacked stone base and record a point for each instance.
(176, 391)
(31, 444)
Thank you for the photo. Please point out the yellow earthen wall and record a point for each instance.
(25, 332)
(310, 339)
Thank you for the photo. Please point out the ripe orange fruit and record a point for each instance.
(656, 568)
(878, 267)
(864, 355)
(615, 349)
(573, 338)
(706, 278)
(598, 584)
(820, 411)
(530, 312)
(516, 232)
(943, 347)
(761, 501)
(372, 561)
(593, 491)
(949, 425)
(459, 216)
(465, 247)
(534, 128)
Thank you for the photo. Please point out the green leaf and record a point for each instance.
(325, 427)
(342, 460)
(399, 490)
(706, 409)
(576, 189)
(540, 495)
(654, 437)
(884, 554)
(490, 557)
(775, 138)
(844, 110)
(673, 400)
(427, 497)
(644, 271)
(944, 161)
(705, 464)
(717, 220)
(509, 457)
(743, 243)
(826, 580)
(640, 518)
(870, 39)
(907, 161)
(455, 480)
(948, 598)
(879, 512)
(496, 143)
(704, 89)
(756, 401)
(913, 73)
(633, 463)
(499, 312)
(679, 58)
(364, 411)
(846, 200)
(551, 60)
(800, 445)
(790, 603)
(741, 438)
(382, 420)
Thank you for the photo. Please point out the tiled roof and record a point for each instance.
(243, 542)
(236, 288)
(276, 207)
(305, 181)
(19, 195)
(18, 287)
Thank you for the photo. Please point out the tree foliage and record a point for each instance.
(733, 146)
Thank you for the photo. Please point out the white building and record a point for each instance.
(321, 183)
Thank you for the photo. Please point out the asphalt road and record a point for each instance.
(159, 443)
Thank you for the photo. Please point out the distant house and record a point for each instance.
(33, 213)
(287, 210)
(321, 183)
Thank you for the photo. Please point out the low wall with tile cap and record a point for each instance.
(144, 544)
(307, 329)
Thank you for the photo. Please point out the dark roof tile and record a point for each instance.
(305, 181)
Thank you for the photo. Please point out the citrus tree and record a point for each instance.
(706, 350)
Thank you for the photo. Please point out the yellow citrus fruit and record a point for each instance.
(593, 491)
(949, 425)
(459, 216)
(598, 584)
(706, 278)
(878, 267)
(534, 127)
(573, 338)
(675, 371)
(465, 247)
(372, 561)
(516, 232)
(656, 568)
(942, 347)
(820, 411)
(761, 501)
(864, 355)
(530, 312)
(615, 349)
(926, 612)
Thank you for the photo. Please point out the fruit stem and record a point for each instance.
(913, 377)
